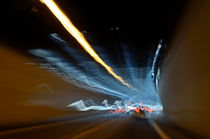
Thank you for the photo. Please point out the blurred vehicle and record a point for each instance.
(139, 113)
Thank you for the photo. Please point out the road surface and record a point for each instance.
(99, 126)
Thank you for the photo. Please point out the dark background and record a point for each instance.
(108, 24)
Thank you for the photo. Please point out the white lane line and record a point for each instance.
(162, 134)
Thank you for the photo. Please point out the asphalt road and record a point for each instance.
(101, 126)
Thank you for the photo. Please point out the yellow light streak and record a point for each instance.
(69, 26)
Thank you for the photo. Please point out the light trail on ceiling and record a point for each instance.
(69, 26)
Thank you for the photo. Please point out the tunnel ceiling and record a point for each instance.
(108, 24)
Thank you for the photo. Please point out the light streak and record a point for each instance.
(55, 63)
(156, 57)
(117, 107)
(47, 86)
(69, 26)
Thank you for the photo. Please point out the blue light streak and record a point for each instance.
(85, 73)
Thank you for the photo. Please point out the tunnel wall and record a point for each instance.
(185, 72)
(24, 97)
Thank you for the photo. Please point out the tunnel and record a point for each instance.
(146, 81)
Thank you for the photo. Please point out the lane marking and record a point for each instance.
(99, 127)
(42, 125)
(161, 133)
